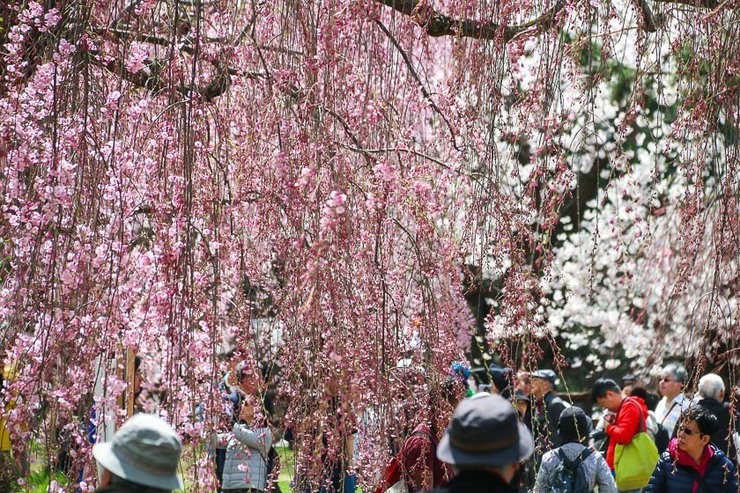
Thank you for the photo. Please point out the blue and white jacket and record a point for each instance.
(245, 466)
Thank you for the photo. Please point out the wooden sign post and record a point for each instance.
(130, 382)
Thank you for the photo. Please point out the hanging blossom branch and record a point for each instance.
(416, 77)
(437, 24)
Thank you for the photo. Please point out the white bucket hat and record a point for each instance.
(146, 451)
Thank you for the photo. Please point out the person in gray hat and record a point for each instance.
(485, 442)
(547, 406)
(142, 458)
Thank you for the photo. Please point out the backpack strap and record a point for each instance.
(585, 453)
(562, 455)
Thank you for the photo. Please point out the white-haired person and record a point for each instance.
(142, 458)
(671, 386)
(711, 391)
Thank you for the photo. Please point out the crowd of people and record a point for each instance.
(518, 435)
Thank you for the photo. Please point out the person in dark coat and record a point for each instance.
(692, 464)
(485, 442)
(547, 406)
(502, 380)
(712, 395)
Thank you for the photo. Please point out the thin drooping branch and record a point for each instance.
(647, 15)
(408, 151)
(368, 158)
(437, 24)
(416, 77)
(124, 12)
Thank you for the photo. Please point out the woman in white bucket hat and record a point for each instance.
(142, 458)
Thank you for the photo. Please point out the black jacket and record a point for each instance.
(546, 421)
(130, 488)
(476, 482)
(722, 411)
(669, 477)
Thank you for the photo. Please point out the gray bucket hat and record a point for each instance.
(485, 431)
(145, 450)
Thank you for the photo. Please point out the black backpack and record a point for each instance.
(569, 475)
(661, 438)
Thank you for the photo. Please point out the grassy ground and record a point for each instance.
(286, 469)
(39, 479)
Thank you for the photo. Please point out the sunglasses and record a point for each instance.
(689, 431)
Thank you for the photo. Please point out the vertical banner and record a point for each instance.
(4, 431)
(130, 382)
(105, 420)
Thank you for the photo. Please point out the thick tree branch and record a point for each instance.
(647, 15)
(437, 24)
(152, 81)
(707, 4)
(123, 34)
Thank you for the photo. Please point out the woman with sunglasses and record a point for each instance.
(692, 464)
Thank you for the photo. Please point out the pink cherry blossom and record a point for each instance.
(331, 187)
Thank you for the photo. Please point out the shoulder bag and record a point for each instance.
(634, 462)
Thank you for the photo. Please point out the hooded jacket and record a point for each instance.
(594, 468)
(421, 468)
(245, 466)
(677, 472)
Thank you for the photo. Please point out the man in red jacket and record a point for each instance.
(624, 418)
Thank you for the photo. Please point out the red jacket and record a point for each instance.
(626, 426)
(421, 468)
